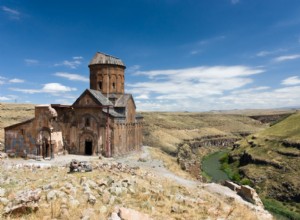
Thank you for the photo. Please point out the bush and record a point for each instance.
(278, 208)
(246, 181)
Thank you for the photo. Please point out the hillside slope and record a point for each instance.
(167, 130)
(11, 113)
(271, 160)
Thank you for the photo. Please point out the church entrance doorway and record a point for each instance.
(88, 148)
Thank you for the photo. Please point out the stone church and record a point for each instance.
(103, 120)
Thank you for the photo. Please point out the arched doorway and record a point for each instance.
(87, 143)
(88, 147)
(44, 143)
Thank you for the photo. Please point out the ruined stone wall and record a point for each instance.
(21, 138)
(27, 137)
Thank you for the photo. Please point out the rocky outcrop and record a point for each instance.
(246, 192)
(289, 143)
(212, 140)
(269, 118)
(247, 158)
(188, 161)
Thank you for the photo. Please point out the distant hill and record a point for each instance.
(166, 130)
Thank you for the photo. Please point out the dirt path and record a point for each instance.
(144, 160)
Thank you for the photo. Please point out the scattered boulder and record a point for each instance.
(3, 155)
(103, 209)
(64, 212)
(87, 214)
(92, 199)
(73, 202)
(2, 192)
(54, 194)
(24, 202)
(131, 214)
(4, 201)
(114, 216)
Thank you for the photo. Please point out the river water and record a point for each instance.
(212, 167)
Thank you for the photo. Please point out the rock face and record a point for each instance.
(269, 118)
(250, 195)
(24, 202)
(188, 160)
(246, 192)
(213, 140)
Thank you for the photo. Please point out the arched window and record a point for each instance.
(100, 84)
(114, 85)
(87, 122)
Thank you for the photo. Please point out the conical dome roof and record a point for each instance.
(102, 58)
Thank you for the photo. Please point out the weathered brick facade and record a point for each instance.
(102, 120)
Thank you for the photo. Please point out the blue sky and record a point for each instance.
(181, 55)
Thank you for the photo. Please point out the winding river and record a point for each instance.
(212, 167)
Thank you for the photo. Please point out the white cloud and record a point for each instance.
(287, 57)
(235, 1)
(263, 53)
(15, 80)
(142, 96)
(52, 88)
(195, 52)
(3, 98)
(282, 97)
(71, 76)
(73, 64)
(210, 40)
(56, 88)
(2, 80)
(63, 101)
(170, 88)
(31, 62)
(133, 68)
(12, 13)
(293, 80)
(77, 58)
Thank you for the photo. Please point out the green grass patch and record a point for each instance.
(230, 169)
(279, 208)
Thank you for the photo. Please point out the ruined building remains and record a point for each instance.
(102, 120)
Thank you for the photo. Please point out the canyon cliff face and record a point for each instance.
(271, 160)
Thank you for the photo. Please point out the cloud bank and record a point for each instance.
(210, 87)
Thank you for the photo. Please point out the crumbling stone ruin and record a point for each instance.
(80, 166)
(103, 120)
